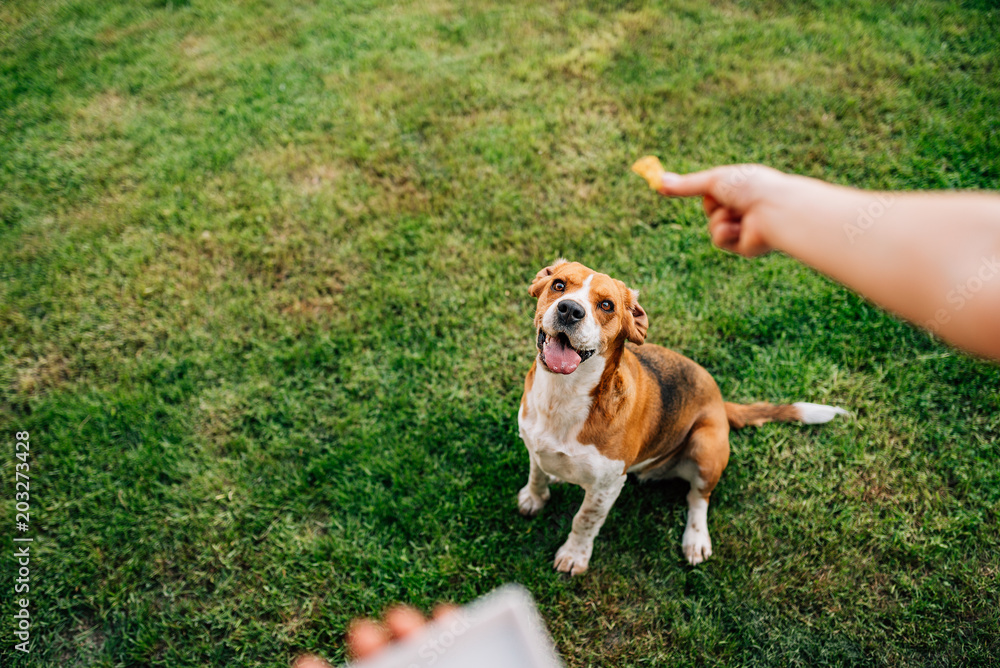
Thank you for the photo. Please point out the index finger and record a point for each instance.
(689, 185)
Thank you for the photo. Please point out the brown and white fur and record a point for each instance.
(606, 409)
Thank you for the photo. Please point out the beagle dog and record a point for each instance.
(598, 404)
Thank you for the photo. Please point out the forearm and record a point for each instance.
(932, 258)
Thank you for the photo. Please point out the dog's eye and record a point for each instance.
(607, 305)
(558, 285)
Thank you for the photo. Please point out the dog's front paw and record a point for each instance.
(529, 503)
(697, 546)
(572, 558)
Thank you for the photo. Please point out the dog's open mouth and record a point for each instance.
(558, 355)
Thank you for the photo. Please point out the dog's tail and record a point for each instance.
(754, 415)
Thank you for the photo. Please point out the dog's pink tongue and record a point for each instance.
(559, 357)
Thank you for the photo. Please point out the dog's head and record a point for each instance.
(582, 313)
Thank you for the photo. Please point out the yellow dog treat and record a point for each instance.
(650, 169)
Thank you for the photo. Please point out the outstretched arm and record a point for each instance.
(932, 258)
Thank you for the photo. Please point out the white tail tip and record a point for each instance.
(818, 413)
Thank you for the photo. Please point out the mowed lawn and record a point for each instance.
(264, 312)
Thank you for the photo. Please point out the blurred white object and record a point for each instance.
(501, 630)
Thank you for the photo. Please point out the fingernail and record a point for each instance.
(669, 178)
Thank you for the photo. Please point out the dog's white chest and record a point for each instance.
(551, 419)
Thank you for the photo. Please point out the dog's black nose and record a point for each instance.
(570, 312)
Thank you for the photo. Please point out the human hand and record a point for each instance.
(366, 637)
(741, 202)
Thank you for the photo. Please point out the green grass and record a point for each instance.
(263, 309)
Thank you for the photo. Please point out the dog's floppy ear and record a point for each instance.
(541, 277)
(636, 320)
